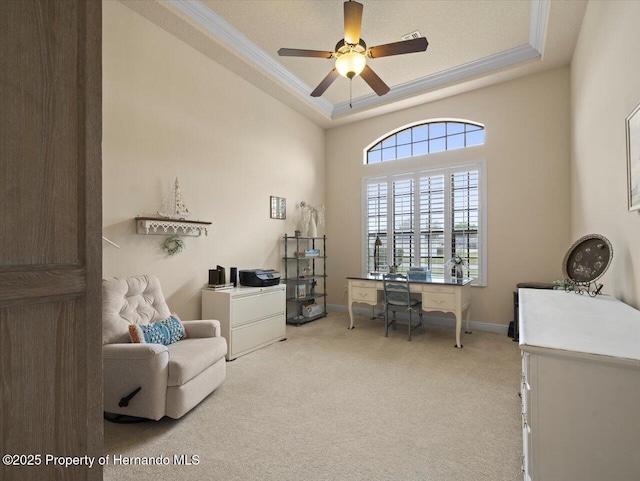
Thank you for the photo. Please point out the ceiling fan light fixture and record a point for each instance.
(351, 53)
(351, 64)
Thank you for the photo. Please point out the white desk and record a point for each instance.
(441, 295)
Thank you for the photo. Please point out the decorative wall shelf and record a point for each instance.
(160, 226)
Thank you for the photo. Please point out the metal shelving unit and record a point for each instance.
(310, 272)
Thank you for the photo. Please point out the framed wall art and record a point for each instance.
(633, 158)
(278, 207)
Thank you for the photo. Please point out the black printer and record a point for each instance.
(259, 277)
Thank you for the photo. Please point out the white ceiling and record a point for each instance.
(472, 44)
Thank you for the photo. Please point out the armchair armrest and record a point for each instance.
(132, 351)
(129, 366)
(205, 328)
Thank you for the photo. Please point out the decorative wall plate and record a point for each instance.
(588, 259)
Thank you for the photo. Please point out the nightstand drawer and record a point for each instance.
(364, 294)
(438, 301)
(436, 289)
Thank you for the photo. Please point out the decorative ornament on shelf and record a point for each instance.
(313, 228)
(585, 262)
(562, 285)
(174, 206)
(311, 219)
(173, 245)
(172, 216)
(458, 265)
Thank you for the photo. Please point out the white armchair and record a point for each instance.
(172, 379)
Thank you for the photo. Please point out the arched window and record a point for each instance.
(424, 214)
(426, 138)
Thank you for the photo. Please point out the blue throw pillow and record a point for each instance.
(164, 332)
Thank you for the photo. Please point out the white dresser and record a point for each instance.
(580, 387)
(250, 317)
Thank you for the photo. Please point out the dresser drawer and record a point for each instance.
(524, 402)
(527, 474)
(438, 301)
(246, 309)
(436, 289)
(250, 337)
(364, 294)
(525, 367)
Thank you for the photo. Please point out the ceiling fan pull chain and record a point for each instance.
(350, 92)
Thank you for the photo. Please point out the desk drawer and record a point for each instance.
(436, 289)
(438, 301)
(369, 284)
(364, 294)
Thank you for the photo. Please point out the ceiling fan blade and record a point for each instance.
(398, 48)
(352, 22)
(374, 81)
(326, 82)
(297, 52)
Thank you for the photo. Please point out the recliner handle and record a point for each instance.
(124, 402)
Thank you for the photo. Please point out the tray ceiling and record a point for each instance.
(471, 44)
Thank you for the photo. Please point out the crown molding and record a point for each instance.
(537, 31)
(538, 23)
(239, 44)
(449, 76)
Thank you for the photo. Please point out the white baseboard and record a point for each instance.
(438, 321)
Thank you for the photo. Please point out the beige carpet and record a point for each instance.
(334, 404)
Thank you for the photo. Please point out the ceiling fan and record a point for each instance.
(351, 53)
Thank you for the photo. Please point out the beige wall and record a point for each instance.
(605, 88)
(170, 111)
(527, 141)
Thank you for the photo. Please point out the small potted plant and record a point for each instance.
(457, 265)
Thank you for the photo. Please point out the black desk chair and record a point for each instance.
(397, 297)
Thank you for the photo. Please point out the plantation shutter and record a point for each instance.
(424, 219)
(376, 223)
(403, 223)
(432, 224)
(465, 213)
